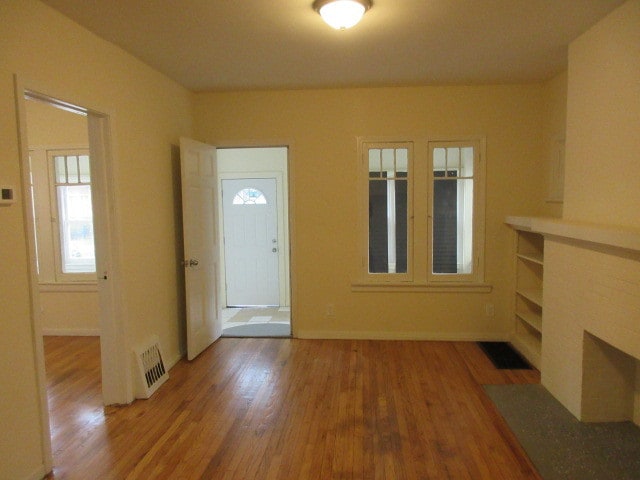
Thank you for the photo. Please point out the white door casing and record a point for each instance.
(199, 193)
(251, 243)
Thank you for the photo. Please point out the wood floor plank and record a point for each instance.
(289, 409)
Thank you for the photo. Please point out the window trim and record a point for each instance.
(364, 145)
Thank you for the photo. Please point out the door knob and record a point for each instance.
(274, 249)
(192, 262)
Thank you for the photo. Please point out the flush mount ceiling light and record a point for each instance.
(341, 14)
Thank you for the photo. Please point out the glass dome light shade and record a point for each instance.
(342, 14)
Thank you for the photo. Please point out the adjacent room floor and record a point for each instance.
(256, 322)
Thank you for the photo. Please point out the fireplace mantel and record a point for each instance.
(589, 233)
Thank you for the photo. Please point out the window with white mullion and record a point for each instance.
(452, 222)
(387, 235)
(445, 183)
(72, 211)
(391, 225)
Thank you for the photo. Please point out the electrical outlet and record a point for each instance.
(489, 311)
(330, 310)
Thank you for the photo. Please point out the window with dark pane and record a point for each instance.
(445, 224)
(452, 208)
(388, 204)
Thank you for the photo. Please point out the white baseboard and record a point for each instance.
(423, 336)
(71, 332)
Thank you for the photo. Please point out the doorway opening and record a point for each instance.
(73, 239)
(62, 219)
(254, 241)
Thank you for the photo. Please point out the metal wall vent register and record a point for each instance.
(151, 368)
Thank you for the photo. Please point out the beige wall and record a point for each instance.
(69, 311)
(20, 453)
(49, 126)
(322, 127)
(603, 122)
(149, 114)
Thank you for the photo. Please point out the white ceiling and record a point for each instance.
(266, 44)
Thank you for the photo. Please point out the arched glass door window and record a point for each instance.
(249, 196)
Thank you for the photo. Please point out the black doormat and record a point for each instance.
(503, 356)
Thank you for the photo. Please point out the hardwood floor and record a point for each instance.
(289, 409)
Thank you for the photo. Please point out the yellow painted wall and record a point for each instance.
(149, 114)
(49, 126)
(603, 121)
(321, 127)
(20, 449)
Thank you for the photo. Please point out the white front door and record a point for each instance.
(199, 194)
(251, 244)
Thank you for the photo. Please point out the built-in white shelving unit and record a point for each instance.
(529, 270)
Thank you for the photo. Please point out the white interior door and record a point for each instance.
(199, 183)
(251, 244)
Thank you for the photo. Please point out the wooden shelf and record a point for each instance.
(533, 295)
(533, 320)
(529, 271)
(532, 257)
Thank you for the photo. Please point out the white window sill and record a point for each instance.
(443, 287)
(69, 287)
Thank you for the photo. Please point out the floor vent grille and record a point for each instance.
(151, 368)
